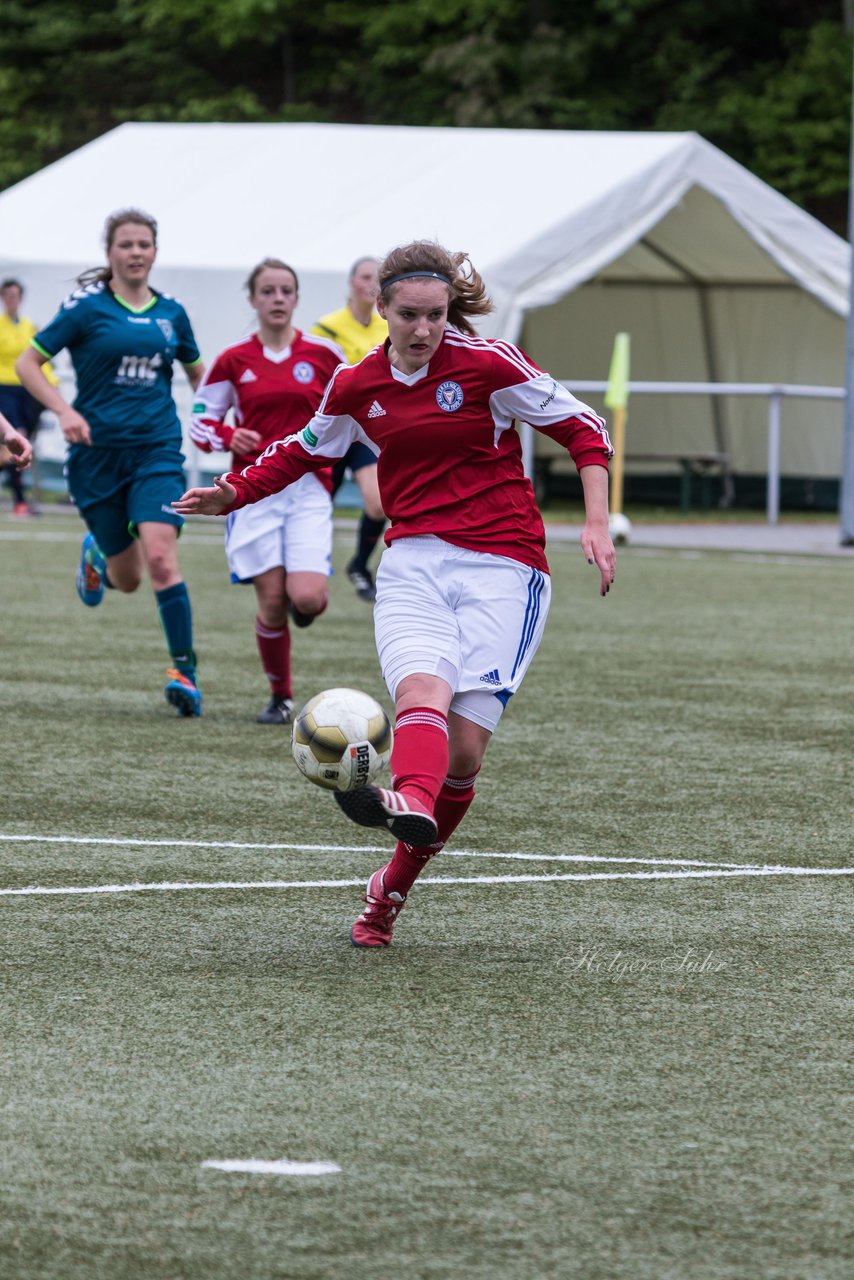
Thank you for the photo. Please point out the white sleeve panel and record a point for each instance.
(211, 403)
(542, 401)
(330, 435)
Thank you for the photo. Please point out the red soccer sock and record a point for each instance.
(274, 646)
(453, 804)
(408, 861)
(419, 757)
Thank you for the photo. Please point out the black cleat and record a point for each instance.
(300, 619)
(277, 711)
(362, 581)
(404, 816)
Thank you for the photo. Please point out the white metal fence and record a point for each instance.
(774, 392)
(199, 465)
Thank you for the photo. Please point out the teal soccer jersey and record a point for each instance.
(123, 362)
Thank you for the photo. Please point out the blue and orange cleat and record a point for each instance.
(183, 693)
(91, 573)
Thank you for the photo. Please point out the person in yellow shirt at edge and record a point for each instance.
(357, 328)
(16, 403)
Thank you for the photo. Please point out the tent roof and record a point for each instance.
(539, 211)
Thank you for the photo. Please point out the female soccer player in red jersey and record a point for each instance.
(463, 589)
(271, 383)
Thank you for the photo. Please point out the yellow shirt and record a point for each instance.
(354, 339)
(14, 340)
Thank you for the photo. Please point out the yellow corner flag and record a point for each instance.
(617, 398)
(617, 395)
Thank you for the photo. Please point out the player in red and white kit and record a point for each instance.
(463, 588)
(270, 383)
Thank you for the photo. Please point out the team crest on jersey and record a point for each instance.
(449, 396)
(165, 327)
(303, 371)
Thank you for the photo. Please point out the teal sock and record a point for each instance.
(176, 618)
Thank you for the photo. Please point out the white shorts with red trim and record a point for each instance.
(291, 529)
(473, 619)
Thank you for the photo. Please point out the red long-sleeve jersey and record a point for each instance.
(271, 392)
(448, 455)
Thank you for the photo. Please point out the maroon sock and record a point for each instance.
(408, 861)
(453, 803)
(419, 757)
(274, 646)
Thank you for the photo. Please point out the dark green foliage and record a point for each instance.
(768, 81)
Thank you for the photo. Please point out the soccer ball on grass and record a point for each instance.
(342, 739)
(620, 528)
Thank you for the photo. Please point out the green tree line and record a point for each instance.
(768, 81)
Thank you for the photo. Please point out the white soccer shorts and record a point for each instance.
(291, 529)
(474, 619)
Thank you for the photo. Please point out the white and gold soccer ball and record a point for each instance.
(342, 739)
(620, 528)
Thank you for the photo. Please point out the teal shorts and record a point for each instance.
(115, 490)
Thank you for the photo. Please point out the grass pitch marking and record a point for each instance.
(174, 886)
(288, 1168)
(368, 848)
(664, 868)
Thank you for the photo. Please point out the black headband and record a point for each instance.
(409, 275)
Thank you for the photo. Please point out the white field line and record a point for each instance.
(289, 1168)
(172, 886)
(370, 848)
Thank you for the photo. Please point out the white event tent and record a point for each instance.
(578, 235)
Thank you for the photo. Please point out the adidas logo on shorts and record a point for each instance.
(376, 410)
(491, 677)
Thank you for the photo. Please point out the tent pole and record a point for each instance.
(846, 488)
(719, 423)
(773, 497)
(526, 433)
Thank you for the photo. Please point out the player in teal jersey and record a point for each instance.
(125, 464)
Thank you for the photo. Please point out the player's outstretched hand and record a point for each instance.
(19, 447)
(599, 549)
(206, 502)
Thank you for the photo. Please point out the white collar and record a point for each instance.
(277, 356)
(409, 379)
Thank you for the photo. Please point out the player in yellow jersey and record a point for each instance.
(357, 328)
(16, 404)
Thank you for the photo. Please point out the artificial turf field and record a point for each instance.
(612, 1035)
